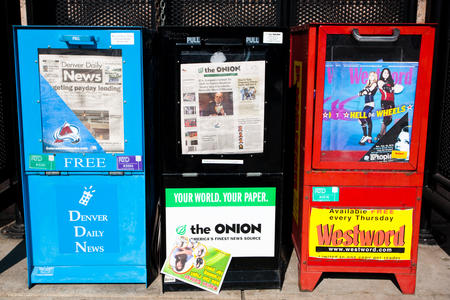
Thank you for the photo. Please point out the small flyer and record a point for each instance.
(197, 264)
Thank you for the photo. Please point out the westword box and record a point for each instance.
(362, 110)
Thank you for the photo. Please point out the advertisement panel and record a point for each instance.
(222, 107)
(368, 109)
(353, 233)
(240, 221)
(86, 224)
(81, 100)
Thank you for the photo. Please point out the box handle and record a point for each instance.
(376, 38)
(79, 40)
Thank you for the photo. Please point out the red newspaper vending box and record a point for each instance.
(362, 110)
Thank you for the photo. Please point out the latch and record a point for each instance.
(79, 40)
(252, 40)
(193, 40)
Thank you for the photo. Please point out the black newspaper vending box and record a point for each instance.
(223, 134)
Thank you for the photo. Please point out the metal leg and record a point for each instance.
(307, 280)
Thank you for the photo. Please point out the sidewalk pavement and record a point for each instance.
(433, 281)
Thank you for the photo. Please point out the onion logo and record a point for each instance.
(67, 132)
(181, 230)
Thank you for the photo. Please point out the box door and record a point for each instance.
(81, 99)
(371, 96)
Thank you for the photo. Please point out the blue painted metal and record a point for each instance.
(83, 225)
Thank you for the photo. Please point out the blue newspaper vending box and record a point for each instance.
(80, 104)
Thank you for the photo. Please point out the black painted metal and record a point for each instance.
(91, 12)
(226, 12)
(229, 13)
(9, 15)
(437, 168)
(105, 12)
(353, 11)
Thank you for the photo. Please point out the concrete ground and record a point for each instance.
(433, 280)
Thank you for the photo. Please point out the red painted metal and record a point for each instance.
(368, 185)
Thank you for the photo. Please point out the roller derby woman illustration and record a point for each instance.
(386, 87)
(366, 121)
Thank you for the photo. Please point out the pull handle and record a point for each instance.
(79, 40)
(376, 38)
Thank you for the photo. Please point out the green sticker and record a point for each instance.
(325, 194)
(200, 197)
(43, 162)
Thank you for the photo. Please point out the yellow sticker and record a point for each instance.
(399, 154)
(350, 233)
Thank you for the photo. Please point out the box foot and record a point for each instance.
(406, 282)
(307, 280)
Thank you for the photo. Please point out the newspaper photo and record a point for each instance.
(81, 100)
(222, 107)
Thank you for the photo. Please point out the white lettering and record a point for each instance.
(86, 163)
(67, 162)
(85, 248)
(90, 162)
(71, 212)
(78, 245)
(78, 162)
(101, 162)
(77, 232)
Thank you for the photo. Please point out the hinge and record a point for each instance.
(254, 174)
(115, 173)
(52, 173)
(189, 174)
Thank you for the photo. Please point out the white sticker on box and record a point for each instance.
(122, 38)
(44, 271)
(223, 161)
(168, 278)
(272, 37)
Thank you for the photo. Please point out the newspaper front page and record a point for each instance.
(222, 107)
(90, 84)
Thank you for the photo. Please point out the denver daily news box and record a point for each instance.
(80, 103)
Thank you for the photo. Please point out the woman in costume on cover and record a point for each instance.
(386, 87)
(366, 120)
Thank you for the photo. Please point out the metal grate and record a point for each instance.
(3, 134)
(351, 11)
(223, 12)
(444, 146)
(104, 12)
